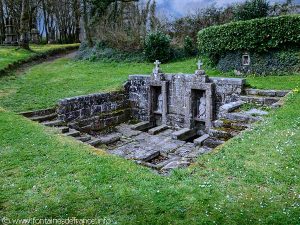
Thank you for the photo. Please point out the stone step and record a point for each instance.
(267, 93)
(84, 138)
(268, 101)
(94, 141)
(227, 124)
(158, 129)
(240, 117)
(73, 133)
(199, 151)
(142, 126)
(230, 107)
(220, 134)
(184, 134)
(53, 123)
(63, 129)
(200, 140)
(43, 118)
(212, 142)
(109, 139)
(41, 112)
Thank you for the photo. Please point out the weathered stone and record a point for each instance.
(109, 139)
(230, 107)
(200, 140)
(53, 123)
(158, 129)
(212, 142)
(142, 126)
(84, 138)
(72, 133)
(126, 130)
(176, 165)
(256, 112)
(183, 134)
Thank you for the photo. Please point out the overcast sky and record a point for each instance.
(182, 7)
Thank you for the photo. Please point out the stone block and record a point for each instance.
(200, 140)
(184, 134)
(158, 129)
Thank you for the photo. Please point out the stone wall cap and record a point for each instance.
(230, 80)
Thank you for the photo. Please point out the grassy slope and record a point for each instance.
(45, 84)
(9, 55)
(253, 179)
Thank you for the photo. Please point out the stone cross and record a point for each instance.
(157, 63)
(199, 64)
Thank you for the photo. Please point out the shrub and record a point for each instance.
(102, 52)
(189, 48)
(157, 47)
(257, 35)
(251, 10)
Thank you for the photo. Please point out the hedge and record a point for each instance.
(257, 35)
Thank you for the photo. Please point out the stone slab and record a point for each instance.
(142, 126)
(158, 129)
(200, 140)
(183, 134)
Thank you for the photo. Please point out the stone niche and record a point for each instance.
(180, 100)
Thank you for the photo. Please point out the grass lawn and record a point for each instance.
(252, 179)
(45, 84)
(10, 55)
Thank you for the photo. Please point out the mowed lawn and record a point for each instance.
(43, 85)
(252, 179)
(13, 54)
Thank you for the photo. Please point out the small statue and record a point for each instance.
(202, 108)
(160, 103)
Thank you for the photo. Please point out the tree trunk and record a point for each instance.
(77, 20)
(24, 25)
(2, 25)
(86, 25)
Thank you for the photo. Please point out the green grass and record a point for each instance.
(9, 55)
(43, 85)
(252, 179)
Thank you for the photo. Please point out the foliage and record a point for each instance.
(272, 62)
(124, 26)
(102, 52)
(157, 47)
(251, 9)
(254, 35)
(189, 47)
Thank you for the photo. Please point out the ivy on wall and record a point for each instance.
(272, 62)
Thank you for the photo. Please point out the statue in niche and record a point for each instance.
(160, 103)
(202, 108)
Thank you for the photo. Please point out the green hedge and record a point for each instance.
(257, 35)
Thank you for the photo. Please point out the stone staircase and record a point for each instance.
(233, 119)
(48, 117)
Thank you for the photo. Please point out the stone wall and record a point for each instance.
(227, 90)
(95, 111)
(179, 85)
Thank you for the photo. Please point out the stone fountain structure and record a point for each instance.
(162, 121)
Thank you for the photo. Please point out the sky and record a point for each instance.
(179, 8)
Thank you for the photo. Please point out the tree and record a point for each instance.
(252, 9)
(24, 25)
